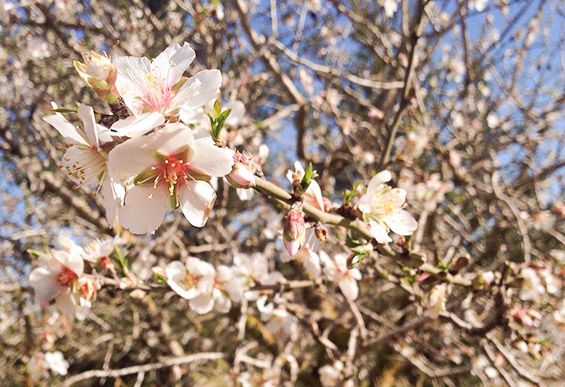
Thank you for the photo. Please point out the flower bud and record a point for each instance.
(100, 74)
(483, 280)
(294, 233)
(241, 175)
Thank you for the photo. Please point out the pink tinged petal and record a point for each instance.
(292, 246)
(132, 80)
(173, 139)
(136, 126)
(66, 304)
(86, 114)
(197, 199)
(144, 209)
(171, 64)
(401, 223)
(66, 129)
(44, 283)
(209, 82)
(349, 288)
(203, 303)
(210, 159)
(379, 232)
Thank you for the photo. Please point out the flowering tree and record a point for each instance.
(281, 193)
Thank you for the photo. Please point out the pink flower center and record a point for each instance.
(66, 277)
(157, 97)
(172, 172)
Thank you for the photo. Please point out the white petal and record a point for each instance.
(171, 64)
(66, 304)
(83, 165)
(402, 223)
(71, 260)
(379, 232)
(132, 80)
(209, 85)
(380, 178)
(317, 200)
(349, 288)
(112, 197)
(341, 261)
(44, 283)
(136, 126)
(222, 303)
(203, 303)
(364, 203)
(65, 129)
(312, 264)
(86, 114)
(176, 272)
(210, 159)
(197, 199)
(144, 209)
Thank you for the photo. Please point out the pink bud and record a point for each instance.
(241, 177)
(294, 233)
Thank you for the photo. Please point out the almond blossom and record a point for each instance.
(313, 194)
(279, 320)
(57, 278)
(336, 270)
(382, 209)
(193, 281)
(169, 169)
(158, 85)
(85, 161)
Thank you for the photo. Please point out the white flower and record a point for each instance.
(255, 269)
(479, 5)
(279, 320)
(336, 270)
(382, 209)
(192, 279)
(58, 273)
(313, 194)
(85, 160)
(159, 86)
(56, 362)
(37, 367)
(168, 168)
(330, 374)
(390, 6)
(98, 249)
(532, 288)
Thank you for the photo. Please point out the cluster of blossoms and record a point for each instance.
(60, 275)
(145, 162)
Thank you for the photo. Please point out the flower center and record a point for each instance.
(66, 277)
(172, 172)
(158, 96)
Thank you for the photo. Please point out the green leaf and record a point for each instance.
(309, 175)
(124, 263)
(218, 123)
(64, 110)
